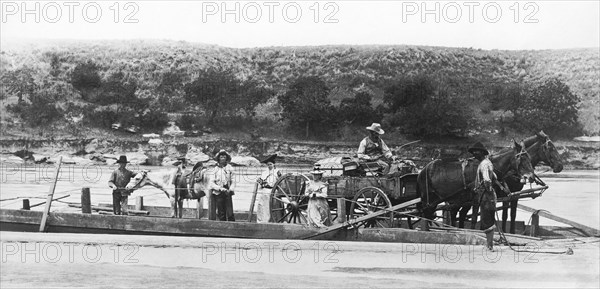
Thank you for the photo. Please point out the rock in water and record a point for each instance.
(91, 147)
(37, 158)
(155, 141)
(137, 158)
(195, 157)
(11, 159)
(244, 161)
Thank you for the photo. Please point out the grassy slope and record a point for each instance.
(345, 68)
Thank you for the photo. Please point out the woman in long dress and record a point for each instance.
(266, 181)
(319, 214)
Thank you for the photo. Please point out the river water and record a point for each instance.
(574, 195)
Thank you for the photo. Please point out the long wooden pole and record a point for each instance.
(50, 196)
(364, 218)
(251, 210)
(588, 230)
(41, 203)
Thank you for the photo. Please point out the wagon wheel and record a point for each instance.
(369, 200)
(288, 203)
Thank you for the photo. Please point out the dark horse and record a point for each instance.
(453, 181)
(541, 150)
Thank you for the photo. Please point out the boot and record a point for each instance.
(489, 236)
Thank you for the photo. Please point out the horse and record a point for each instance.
(541, 150)
(174, 185)
(454, 181)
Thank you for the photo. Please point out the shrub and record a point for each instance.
(102, 117)
(220, 94)
(551, 106)
(408, 91)
(190, 122)
(85, 76)
(359, 110)
(423, 107)
(152, 119)
(306, 106)
(40, 110)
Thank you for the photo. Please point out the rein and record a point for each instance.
(144, 175)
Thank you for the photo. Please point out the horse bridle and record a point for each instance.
(144, 175)
(546, 151)
(519, 154)
(517, 158)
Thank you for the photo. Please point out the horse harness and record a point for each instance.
(144, 175)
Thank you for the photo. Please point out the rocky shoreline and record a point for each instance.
(244, 152)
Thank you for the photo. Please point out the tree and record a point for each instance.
(119, 90)
(38, 110)
(252, 95)
(358, 110)
(220, 93)
(305, 105)
(85, 76)
(423, 107)
(550, 106)
(19, 82)
(408, 91)
(170, 90)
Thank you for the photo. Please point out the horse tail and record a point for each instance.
(424, 184)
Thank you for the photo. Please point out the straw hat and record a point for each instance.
(376, 128)
(222, 152)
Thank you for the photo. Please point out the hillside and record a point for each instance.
(344, 68)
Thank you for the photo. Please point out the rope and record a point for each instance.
(503, 239)
(5, 205)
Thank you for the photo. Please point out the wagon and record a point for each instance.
(356, 193)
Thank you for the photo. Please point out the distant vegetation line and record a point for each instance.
(415, 90)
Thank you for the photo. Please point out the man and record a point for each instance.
(485, 192)
(266, 181)
(222, 186)
(373, 149)
(118, 180)
(318, 211)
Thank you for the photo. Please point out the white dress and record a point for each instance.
(266, 182)
(319, 214)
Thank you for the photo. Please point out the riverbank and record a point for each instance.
(144, 151)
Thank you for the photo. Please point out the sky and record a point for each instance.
(477, 24)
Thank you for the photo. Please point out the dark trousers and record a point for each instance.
(120, 202)
(224, 206)
(487, 208)
(116, 202)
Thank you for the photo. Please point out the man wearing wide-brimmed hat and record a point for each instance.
(485, 192)
(222, 186)
(266, 181)
(373, 149)
(118, 180)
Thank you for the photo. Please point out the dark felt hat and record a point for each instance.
(478, 146)
(197, 165)
(270, 158)
(317, 169)
(122, 160)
